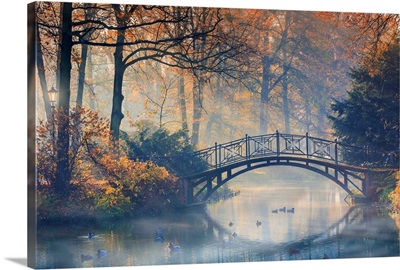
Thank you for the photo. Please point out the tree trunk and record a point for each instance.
(63, 174)
(264, 96)
(81, 76)
(182, 102)
(197, 111)
(82, 65)
(321, 132)
(285, 83)
(42, 75)
(209, 127)
(89, 80)
(286, 111)
(307, 110)
(59, 37)
(116, 112)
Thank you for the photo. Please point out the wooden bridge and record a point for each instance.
(352, 168)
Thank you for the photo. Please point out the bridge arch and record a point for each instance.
(341, 163)
(208, 182)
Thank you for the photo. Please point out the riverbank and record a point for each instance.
(70, 214)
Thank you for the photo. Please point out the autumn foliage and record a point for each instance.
(104, 181)
(394, 197)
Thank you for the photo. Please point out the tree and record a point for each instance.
(370, 114)
(208, 55)
(63, 140)
(142, 33)
(375, 32)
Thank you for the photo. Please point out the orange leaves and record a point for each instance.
(394, 197)
(86, 128)
(105, 180)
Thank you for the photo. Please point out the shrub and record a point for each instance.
(170, 150)
(104, 183)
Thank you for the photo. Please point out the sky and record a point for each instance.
(13, 110)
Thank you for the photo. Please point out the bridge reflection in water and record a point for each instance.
(359, 233)
(349, 237)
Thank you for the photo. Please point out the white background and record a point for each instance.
(13, 110)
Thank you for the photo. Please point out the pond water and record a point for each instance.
(319, 224)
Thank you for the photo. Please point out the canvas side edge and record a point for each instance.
(31, 130)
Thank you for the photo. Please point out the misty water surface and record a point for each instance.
(322, 224)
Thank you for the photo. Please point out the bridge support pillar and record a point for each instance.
(209, 186)
(346, 180)
(367, 184)
(188, 192)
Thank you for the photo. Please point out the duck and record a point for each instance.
(159, 236)
(325, 256)
(258, 223)
(291, 210)
(172, 247)
(230, 224)
(282, 209)
(234, 235)
(275, 211)
(91, 235)
(101, 253)
(86, 258)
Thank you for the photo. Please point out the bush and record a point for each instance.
(170, 150)
(104, 183)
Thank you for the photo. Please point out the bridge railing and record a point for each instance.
(276, 144)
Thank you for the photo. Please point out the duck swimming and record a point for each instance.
(282, 209)
(290, 211)
(91, 235)
(275, 211)
(172, 247)
(258, 223)
(230, 224)
(101, 253)
(159, 236)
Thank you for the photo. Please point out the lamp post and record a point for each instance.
(53, 94)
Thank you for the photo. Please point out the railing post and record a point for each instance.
(307, 144)
(336, 152)
(220, 155)
(247, 147)
(336, 162)
(292, 144)
(216, 155)
(278, 150)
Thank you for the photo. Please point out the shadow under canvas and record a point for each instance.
(20, 261)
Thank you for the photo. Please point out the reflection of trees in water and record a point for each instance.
(359, 233)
